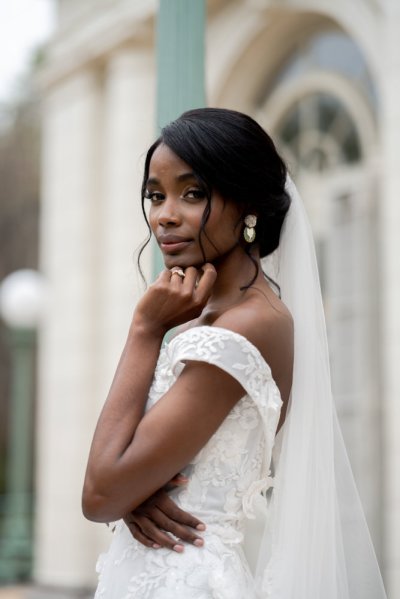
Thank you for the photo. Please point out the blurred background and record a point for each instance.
(84, 87)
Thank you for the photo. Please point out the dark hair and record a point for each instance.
(231, 153)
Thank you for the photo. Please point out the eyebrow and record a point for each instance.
(179, 178)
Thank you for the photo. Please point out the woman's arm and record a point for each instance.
(165, 440)
(167, 303)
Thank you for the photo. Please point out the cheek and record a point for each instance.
(225, 225)
(221, 234)
(227, 220)
(151, 217)
(194, 215)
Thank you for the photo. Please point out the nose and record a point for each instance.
(168, 213)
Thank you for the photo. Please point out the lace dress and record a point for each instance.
(225, 481)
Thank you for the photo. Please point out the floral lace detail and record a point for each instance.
(237, 356)
(225, 477)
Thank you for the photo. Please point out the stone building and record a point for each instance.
(324, 79)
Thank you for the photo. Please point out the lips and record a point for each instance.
(172, 243)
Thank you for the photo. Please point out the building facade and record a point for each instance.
(324, 79)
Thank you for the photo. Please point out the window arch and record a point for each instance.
(330, 51)
(321, 105)
(318, 134)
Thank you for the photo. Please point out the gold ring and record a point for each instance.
(178, 271)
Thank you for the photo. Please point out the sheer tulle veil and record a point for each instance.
(316, 544)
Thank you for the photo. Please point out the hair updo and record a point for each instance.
(231, 153)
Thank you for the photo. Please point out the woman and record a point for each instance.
(209, 404)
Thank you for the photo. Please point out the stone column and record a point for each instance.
(128, 132)
(65, 543)
(390, 284)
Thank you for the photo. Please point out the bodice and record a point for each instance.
(234, 466)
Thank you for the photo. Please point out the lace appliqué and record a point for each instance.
(225, 478)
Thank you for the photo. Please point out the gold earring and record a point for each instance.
(249, 232)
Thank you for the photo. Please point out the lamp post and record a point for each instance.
(180, 66)
(21, 304)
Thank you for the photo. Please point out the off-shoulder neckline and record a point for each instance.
(224, 330)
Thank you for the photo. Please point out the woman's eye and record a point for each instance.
(153, 196)
(195, 194)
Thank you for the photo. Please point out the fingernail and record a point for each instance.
(178, 548)
(201, 527)
(198, 542)
(181, 479)
(156, 546)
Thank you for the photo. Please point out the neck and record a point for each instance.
(234, 270)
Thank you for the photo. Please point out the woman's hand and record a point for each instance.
(173, 300)
(154, 518)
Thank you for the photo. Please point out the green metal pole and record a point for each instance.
(180, 65)
(16, 534)
(180, 58)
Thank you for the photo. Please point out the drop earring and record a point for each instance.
(249, 232)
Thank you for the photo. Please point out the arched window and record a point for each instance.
(318, 134)
(321, 105)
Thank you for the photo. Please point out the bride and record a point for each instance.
(238, 402)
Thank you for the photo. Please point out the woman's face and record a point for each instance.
(177, 204)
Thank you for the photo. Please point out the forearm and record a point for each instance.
(124, 465)
(120, 416)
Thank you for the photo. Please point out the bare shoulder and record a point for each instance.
(266, 322)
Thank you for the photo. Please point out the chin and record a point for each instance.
(182, 262)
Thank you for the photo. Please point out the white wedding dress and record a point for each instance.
(225, 483)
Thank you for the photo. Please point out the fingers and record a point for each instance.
(199, 281)
(179, 530)
(158, 519)
(139, 536)
(206, 282)
(175, 515)
(191, 275)
(187, 283)
(178, 277)
(165, 276)
(148, 533)
(175, 299)
(177, 481)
